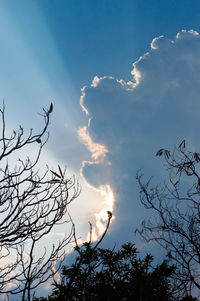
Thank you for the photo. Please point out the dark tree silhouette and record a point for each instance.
(106, 274)
(176, 220)
(32, 202)
(84, 252)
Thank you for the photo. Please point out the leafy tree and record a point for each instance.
(31, 204)
(106, 274)
(176, 206)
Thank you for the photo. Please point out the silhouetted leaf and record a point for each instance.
(182, 144)
(55, 174)
(50, 108)
(167, 153)
(60, 171)
(160, 152)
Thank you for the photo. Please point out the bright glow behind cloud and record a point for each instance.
(97, 150)
(98, 153)
(102, 216)
(157, 108)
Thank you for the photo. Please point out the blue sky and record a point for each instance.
(134, 65)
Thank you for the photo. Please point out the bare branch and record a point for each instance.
(176, 225)
(31, 204)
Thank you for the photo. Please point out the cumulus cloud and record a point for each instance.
(129, 121)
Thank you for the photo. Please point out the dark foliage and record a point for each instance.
(106, 274)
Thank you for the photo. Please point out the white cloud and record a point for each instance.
(155, 42)
(187, 34)
(157, 108)
(97, 150)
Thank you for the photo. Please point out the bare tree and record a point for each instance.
(32, 202)
(176, 219)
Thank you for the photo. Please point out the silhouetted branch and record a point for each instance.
(176, 225)
(86, 253)
(31, 204)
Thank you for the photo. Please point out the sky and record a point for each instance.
(124, 78)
